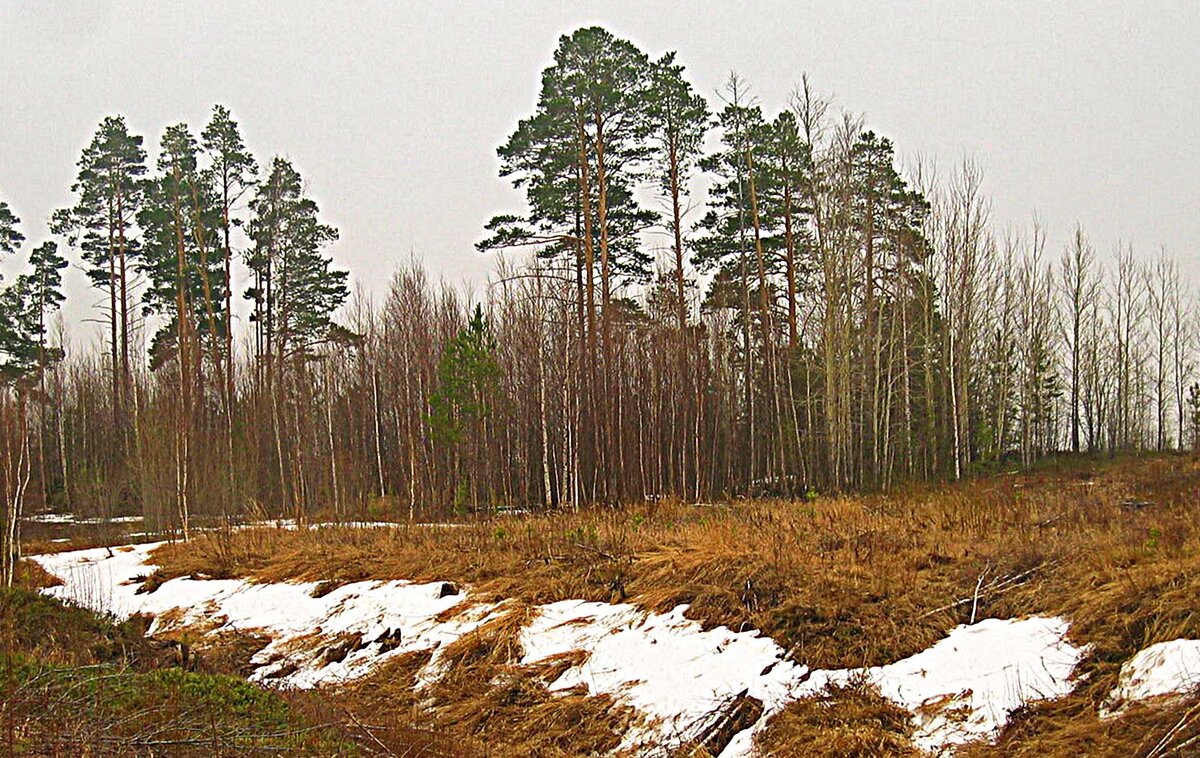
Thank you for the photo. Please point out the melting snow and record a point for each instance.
(665, 665)
(285, 612)
(1168, 668)
(71, 518)
(964, 687)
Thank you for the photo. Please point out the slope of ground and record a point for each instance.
(74, 683)
(851, 584)
(77, 683)
(644, 681)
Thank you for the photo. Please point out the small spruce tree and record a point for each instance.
(463, 401)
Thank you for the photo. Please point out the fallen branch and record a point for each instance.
(369, 733)
(978, 584)
(597, 551)
(1163, 747)
(997, 586)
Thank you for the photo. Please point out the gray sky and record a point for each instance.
(1079, 111)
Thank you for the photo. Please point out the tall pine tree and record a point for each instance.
(232, 172)
(679, 118)
(109, 189)
(295, 293)
(180, 222)
(15, 353)
(296, 290)
(24, 306)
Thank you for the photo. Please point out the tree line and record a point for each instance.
(719, 301)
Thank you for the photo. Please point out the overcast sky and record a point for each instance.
(1084, 112)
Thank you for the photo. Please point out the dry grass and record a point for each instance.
(488, 701)
(1070, 728)
(841, 721)
(31, 575)
(840, 582)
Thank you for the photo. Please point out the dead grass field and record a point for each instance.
(840, 582)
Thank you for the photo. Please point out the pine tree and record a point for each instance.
(16, 353)
(109, 189)
(604, 79)
(727, 244)
(231, 173)
(180, 220)
(592, 118)
(541, 157)
(578, 159)
(18, 358)
(44, 288)
(787, 161)
(738, 244)
(679, 118)
(10, 238)
(885, 218)
(14, 312)
(296, 291)
(24, 306)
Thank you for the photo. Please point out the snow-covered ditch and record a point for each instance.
(667, 667)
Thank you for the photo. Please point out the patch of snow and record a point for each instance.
(301, 627)
(71, 518)
(368, 611)
(1164, 669)
(103, 579)
(964, 686)
(49, 518)
(291, 524)
(664, 665)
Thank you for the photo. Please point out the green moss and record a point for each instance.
(74, 680)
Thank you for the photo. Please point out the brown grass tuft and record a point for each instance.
(841, 721)
(31, 575)
(1071, 727)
